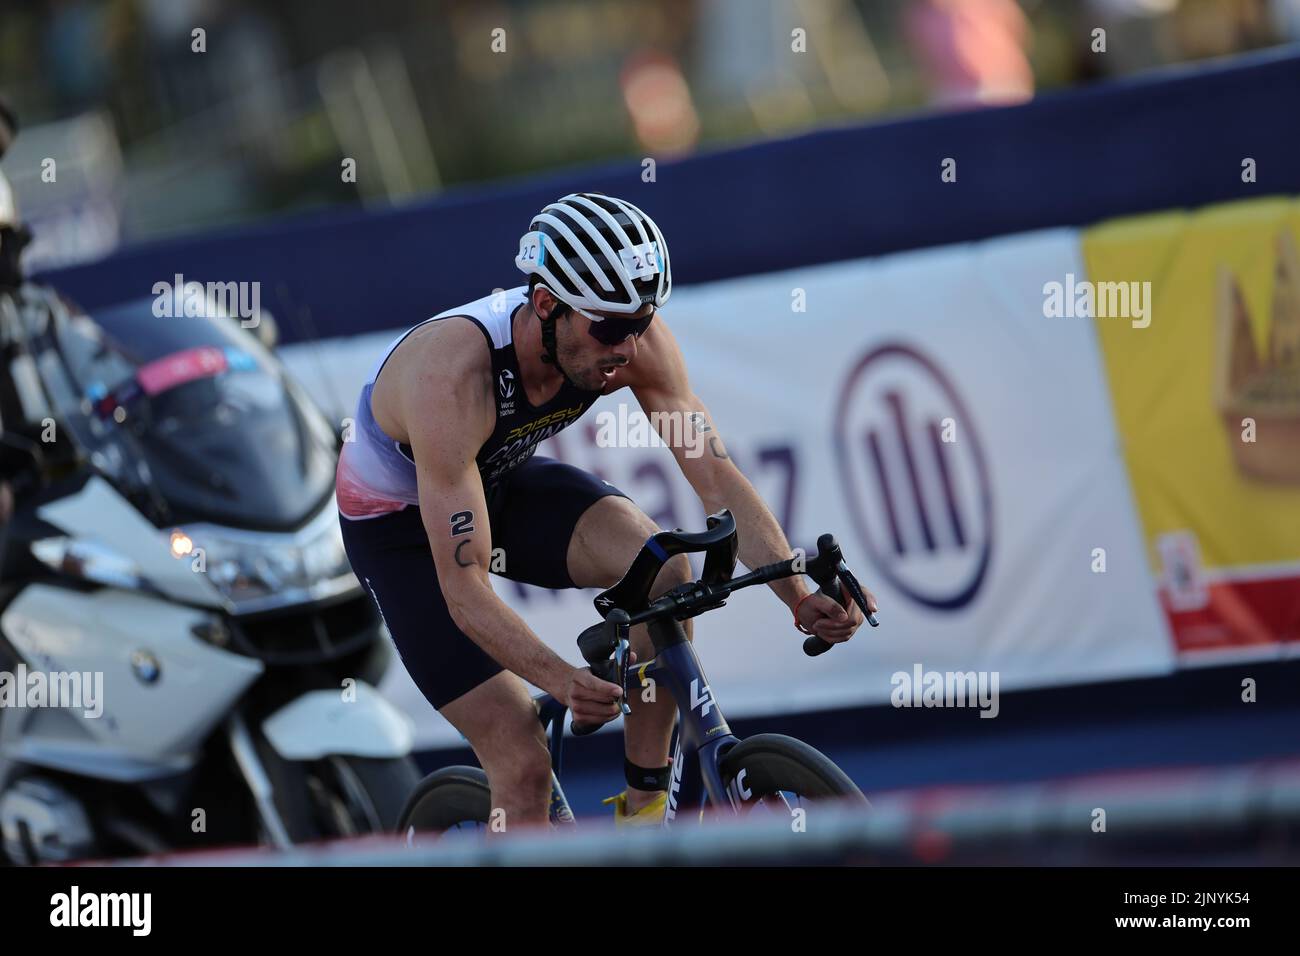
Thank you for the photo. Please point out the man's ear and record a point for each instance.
(547, 306)
(542, 302)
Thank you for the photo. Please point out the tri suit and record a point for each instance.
(533, 505)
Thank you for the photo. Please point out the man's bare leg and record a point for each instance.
(500, 722)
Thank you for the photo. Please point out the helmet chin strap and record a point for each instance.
(550, 354)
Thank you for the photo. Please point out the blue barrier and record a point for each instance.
(1170, 139)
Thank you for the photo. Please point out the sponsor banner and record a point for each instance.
(924, 409)
(1207, 404)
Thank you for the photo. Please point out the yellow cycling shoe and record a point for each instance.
(651, 815)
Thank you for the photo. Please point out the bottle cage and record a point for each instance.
(718, 543)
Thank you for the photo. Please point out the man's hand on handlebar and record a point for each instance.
(590, 699)
(832, 623)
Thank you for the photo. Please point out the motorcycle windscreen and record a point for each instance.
(228, 438)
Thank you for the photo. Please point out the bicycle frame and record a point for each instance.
(703, 736)
(700, 739)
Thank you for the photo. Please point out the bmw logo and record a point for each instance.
(145, 667)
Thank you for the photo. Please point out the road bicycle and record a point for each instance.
(711, 767)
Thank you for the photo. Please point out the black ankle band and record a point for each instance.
(646, 778)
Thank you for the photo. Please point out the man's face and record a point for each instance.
(591, 364)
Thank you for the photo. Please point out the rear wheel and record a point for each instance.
(453, 798)
(775, 773)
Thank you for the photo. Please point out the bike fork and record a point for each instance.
(259, 784)
(551, 713)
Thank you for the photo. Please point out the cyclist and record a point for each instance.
(440, 471)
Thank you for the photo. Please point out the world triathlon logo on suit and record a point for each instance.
(913, 470)
(506, 386)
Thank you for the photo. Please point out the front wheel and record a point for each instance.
(453, 798)
(778, 773)
(338, 796)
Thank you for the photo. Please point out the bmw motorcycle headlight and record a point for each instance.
(257, 570)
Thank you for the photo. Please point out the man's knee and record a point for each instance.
(606, 539)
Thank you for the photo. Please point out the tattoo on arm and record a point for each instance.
(702, 426)
(459, 562)
(462, 522)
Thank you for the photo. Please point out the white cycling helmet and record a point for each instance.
(597, 252)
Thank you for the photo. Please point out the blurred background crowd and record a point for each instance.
(155, 137)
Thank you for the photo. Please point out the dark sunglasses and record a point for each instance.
(610, 331)
(614, 331)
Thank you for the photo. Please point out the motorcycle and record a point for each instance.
(186, 659)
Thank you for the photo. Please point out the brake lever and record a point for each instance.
(622, 658)
(855, 591)
(615, 670)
